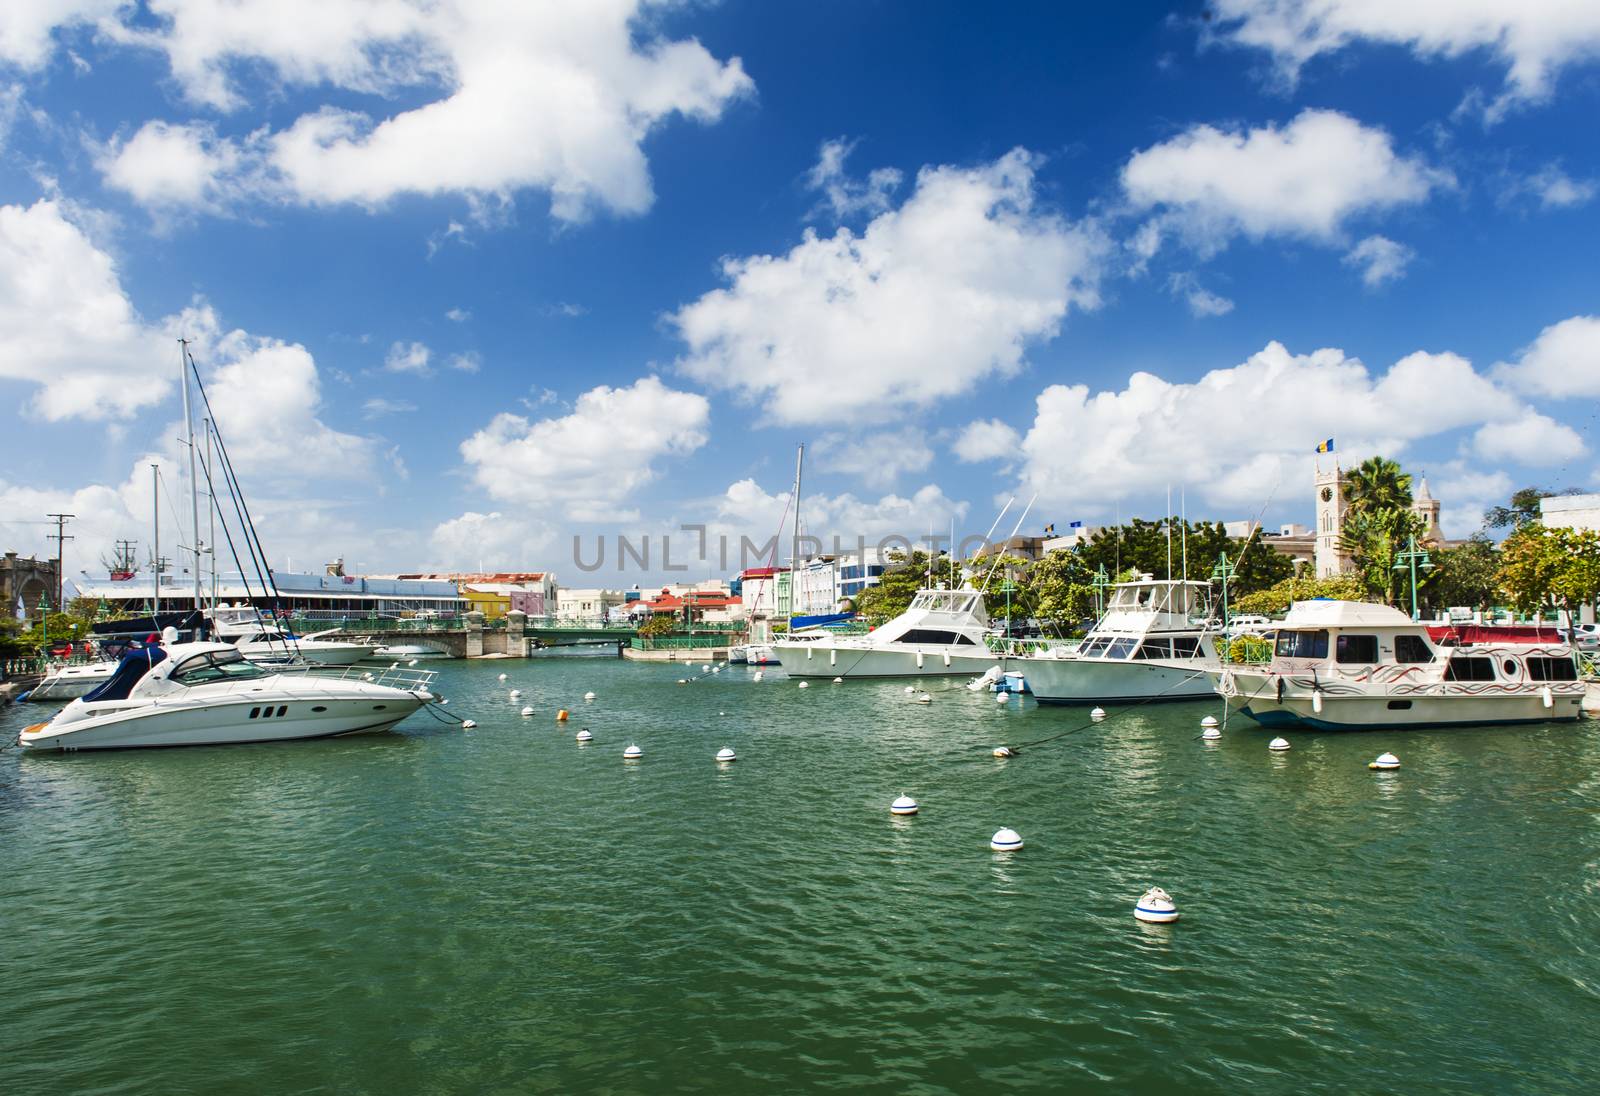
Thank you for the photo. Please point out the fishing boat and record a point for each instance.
(943, 633)
(1346, 666)
(1151, 644)
(209, 694)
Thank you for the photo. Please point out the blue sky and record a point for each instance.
(469, 278)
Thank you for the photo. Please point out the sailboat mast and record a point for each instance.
(194, 483)
(794, 547)
(155, 514)
(211, 509)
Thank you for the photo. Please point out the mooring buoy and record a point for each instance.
(1005, 839)
(1156, 906)
(904, 805)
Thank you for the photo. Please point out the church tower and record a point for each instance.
(1330, 558)
(1426, 507)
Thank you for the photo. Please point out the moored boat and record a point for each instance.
(941, 634)
(1343, 665)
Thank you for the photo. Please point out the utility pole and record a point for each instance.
(60, 537)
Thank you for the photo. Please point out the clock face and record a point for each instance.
(1327, 494)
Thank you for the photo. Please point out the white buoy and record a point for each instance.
(838, 681)
(685, 681)
(1097, 714)
(632, 753)
(805, 684)
(706, 669)
(413, 662)
(444, 700)
(726, 755)
(1385, 761)
(468, 724)
(910, 689)
(1156, 907)
(924, 698)
(588, 696)
(502, 677)
(527, 712)
(904, 805)
(1278, 744)
(1001, 697)
(1003, 751)
(584, 736)
(1211, 734)
(1005, 840)
(1209, 721)
(515, 693)
(757, 677)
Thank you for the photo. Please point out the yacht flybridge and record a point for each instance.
(1345, 666)
(208, 694)
(941, 634)
(1151, 644)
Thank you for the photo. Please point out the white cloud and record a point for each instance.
(458, 315)
(1304, 180)
(26, 26)
(166, 165)
(1534, 39)
(591, 461)
(987, 439)
(468, 361)
(1552, 187)
(1563, 361)
(1236, 432)
(1465, 493)
(412, 357)
(845, 196)
(1531, 438)
(928, 300)
(1201, 301)
(1381, 260)
(878, 458)
(378, 406)
(493, 540)
(67, 326)
(748, 510)
(558, 98)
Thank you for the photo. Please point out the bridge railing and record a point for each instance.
(679, 643)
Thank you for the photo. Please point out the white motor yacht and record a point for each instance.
(263, 641)
(1345, 666)
(1151, 644)
(66, 682)
(208, 694)
(941, 634)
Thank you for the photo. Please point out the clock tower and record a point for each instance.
(1331, 559)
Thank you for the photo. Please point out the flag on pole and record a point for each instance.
(1075, 525)
(1049, 529)
(1326, 447)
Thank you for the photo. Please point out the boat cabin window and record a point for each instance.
(1094, 647)
(1302, 644)
(1542, 668)
(1358, 649)
(935, 635)
(1155, 648)
(1185, 646)
(1412, 649)
(1120, 648)
(215, 666)
(1464, 668)
(945, 601)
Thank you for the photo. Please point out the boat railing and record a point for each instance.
(1020, 647)
(1246, 649)
(395, 676)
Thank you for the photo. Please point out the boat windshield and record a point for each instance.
(945, 601)
(1302, 644)
(216, 666)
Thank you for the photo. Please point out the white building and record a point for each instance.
(856, 571)
(1581, 512)
(586, 604)
(1072, 538)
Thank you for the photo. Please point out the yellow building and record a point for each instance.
(492, 599)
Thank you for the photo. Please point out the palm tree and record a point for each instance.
(1377, 485)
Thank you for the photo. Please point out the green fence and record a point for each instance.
(679, 643)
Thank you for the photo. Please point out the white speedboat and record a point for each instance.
(208, 694)
(941, 634)
(263, 641)
(67, 682)
(404, 651)
(1347, 666)
(1151, 644)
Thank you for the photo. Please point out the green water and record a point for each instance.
(501, 910)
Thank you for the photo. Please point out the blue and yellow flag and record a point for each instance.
(1051, 528)
(1326, 447)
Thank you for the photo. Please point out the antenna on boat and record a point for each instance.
(1014, 529)
(155, 512)
(794, 549)
(1183, 505)
(1169, 532)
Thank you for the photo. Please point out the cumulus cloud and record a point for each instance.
(1380, 260)
(878, 458)
(746, 509)
(987, 439)
(1563, 361)
(1551, 187)
(408, 357)
(458, 315)
(1534, 39)
(558, 98)
(491, 540)
(847, 197)
(27, 26)
(589, 462)
(1201, 301)
(1304, 180)
(468, 361)
(930, 298)
(66, 325)
(1530, 438)
(1237, 431)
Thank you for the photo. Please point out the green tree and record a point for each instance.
(1278, 598)
(659, 624)
(1541, 567)
(1377, 485)
(1063, 596)
(1465, 575)
(1374, 538)
(905, 575)
(1141, 546)
(1522, 509)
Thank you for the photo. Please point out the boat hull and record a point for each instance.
(819, 659)
(1345, 707)
(121, 726)
(1102, 681)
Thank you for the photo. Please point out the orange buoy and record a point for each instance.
(561, 716)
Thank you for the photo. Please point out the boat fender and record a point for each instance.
(833, 658)
(1316, 701)
(947, 659)
(1546, 697)
(1280, 690)
(919, 660)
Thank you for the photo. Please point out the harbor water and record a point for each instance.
(500, 909)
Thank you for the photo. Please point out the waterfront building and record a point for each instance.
(1581, 512)
(326, 595)
(758, 591)
(1075, 536)
(855, 572)
(588, 604)
(533, 592)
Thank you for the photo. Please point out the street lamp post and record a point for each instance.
(1101, 583)
(1223, 573)
(1006, 588)
(1416, 559)
(44, 617)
